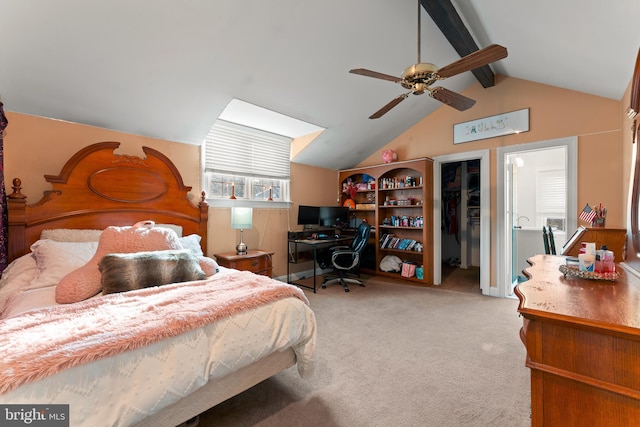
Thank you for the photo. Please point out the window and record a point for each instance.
(251, 164)
(551, 195)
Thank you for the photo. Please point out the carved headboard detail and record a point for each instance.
(98, 188)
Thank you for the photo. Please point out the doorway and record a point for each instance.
(465, 241)
(538, 189)
(460, 216)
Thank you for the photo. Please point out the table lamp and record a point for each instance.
(241, 219)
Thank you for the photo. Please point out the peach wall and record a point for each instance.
(312, 186)
(35, 146)
(309, 186)
(554, 113)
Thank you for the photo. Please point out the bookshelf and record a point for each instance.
(400, 208)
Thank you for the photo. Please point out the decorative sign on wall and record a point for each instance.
(490, 127)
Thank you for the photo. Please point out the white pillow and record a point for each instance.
(192, 242)
(71, 235)
(18, 275)
(54, 260)
(24, 265)
(174, 227)
(391, 263)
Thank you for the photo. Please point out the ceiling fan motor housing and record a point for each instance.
(418, 77)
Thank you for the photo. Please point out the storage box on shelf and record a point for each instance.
(402, 213)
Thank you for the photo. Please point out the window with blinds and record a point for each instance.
(247, 163)
(551, 195)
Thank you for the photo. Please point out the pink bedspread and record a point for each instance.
(42, 342)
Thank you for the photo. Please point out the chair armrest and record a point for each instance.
(354, 261)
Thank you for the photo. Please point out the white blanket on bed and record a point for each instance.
(43, 342)
(126, 387)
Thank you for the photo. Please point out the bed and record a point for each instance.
(156, 356)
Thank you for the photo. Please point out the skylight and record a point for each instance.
(250, 115)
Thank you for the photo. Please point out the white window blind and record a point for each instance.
(551, 192)
(239, 150)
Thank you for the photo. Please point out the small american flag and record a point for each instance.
(587, 214)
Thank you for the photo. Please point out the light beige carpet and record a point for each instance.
(398, 355)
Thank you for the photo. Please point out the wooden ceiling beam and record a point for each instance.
(446, 17)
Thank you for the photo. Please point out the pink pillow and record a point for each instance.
(84, 282)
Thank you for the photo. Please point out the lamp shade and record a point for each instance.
(241, 218)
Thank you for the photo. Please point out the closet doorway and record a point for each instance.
(461, 219)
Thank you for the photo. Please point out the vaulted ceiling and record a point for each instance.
(167, 69)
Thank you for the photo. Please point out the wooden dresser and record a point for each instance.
(257, 261)
(614, 238)
(583, 346)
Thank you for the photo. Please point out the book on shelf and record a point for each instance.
(405, 244)
(387, 239)
(387, 242)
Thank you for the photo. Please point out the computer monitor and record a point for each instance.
(334, 216)
(308, 215)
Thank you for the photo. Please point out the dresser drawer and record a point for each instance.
(257, 263)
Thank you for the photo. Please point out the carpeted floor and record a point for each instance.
(460, 279)
(398, 355)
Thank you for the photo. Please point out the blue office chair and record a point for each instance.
(346, 260)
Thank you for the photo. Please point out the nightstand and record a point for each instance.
(256, 261)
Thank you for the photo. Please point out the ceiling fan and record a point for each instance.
(419, 77)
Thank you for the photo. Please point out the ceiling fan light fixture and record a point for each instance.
(420, 88)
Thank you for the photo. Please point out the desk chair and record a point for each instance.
(346, 259)
(549, 241)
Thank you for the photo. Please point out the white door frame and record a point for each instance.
(485, 215)
(504, 235)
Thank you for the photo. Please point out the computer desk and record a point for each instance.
(297, 246)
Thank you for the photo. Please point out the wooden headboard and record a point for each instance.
(97, 188)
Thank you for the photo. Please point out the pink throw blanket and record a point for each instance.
(42, 342)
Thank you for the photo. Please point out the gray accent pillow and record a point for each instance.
(138, 270)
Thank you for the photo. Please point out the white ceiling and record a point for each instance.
(167, 69)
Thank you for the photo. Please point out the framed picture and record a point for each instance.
(491, 127)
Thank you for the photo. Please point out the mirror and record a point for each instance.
(633, 251)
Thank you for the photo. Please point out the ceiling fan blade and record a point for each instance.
(375, 75)
(474, 60)
(384, 110)
(452, 99)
